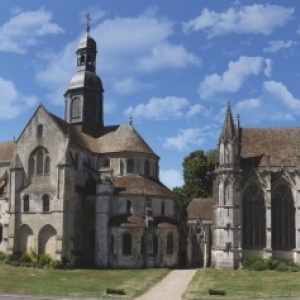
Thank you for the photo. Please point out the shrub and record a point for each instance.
(250, 260)
(259, 265)
(3, 256)
(217, 292)
(282, 267)
(115, 291)
(44, 259)
(27, 264)
(272, 263)
(25, 257)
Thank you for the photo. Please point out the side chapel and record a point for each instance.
(77, 189)
(256, 194)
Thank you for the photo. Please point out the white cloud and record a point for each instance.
(159, 108)
(12, 102)
(167, 108)
(187, 138)
(129, 86)
(276, 103)
(269, 67)
(254, 19)
(232, 79)
(171, 178)
(25, 29)
(168, 56)
(275, 46)
(128, 46)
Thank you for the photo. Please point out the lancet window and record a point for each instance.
(254, 218)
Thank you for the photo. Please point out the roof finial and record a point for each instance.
(130, 120)
(88, 19)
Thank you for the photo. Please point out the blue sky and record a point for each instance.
(172, 65)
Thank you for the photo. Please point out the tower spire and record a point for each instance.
(228, 128)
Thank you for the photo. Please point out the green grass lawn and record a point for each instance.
(243, 284)
(77, 282)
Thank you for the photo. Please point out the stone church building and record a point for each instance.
(256, 206)
(77, 189)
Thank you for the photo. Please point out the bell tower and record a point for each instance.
(84, 94)
(226, 249)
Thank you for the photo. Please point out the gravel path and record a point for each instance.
(171, 287)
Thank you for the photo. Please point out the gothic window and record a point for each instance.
(47, 165)
(107, 163)
(26, 203)
(130, 166)
(75, 108)
(39, 162)
(121, 167)
(254, 218)
(147, 167)
(128, 207)
(127, 244)
(155, 244)
(39, 131)
(31, 170)
(46, 203)
(170, 243)
(283, 218)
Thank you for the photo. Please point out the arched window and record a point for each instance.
(107, 163)
(31, 170)
(40, 131)
(130, 166)
(254, 218)
(75, 108)
(155, 244)
(147, 168)
(26, 203)
(39, 162)
(283, 218)
(127, 244)
(170, 242)
(47, 165)
(121, 167)
(128, 207)
(46, 203)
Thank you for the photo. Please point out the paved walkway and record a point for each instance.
(171, 287)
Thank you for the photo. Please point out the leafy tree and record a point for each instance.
(198, 169)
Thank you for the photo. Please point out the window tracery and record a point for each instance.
(39, 162)
(283, 218)
(254, 218)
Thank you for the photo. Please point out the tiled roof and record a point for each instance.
(6, 151)
(108, 139)
(281, 144)
(127, 221)
(140, 185)
(200, 208)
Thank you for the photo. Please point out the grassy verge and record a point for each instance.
(76, 282)
(243, 284)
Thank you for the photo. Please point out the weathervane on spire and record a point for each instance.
(88, 19)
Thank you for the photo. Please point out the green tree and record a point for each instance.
(198, 169)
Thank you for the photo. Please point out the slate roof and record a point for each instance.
(140, 185)
(6, 151)
(281, 144)
(200, 208)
